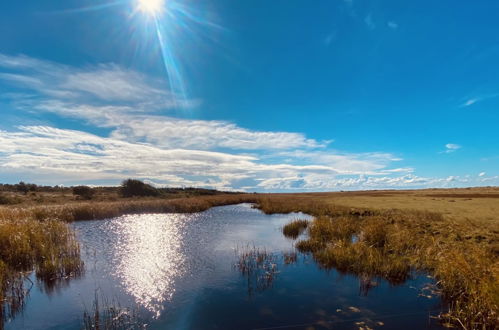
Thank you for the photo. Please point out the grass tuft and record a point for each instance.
(294, 228)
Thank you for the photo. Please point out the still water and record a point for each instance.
(178, 271)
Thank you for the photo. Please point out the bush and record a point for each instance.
(84, 192)
(7, 200)
(131, 188)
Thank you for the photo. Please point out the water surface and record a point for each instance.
(178, 271)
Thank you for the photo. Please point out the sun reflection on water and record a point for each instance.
(148, 257)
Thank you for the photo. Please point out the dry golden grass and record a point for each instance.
(37, 238)
(96, 210)
(49, 248)
(451, 233)
(461, 254)
(294, 228)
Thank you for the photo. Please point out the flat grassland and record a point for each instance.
(451, 233)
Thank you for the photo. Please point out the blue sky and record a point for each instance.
(280, 95)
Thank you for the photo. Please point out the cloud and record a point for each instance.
(451, 147)
(128, 102)
(469, 102)
(481, 174)
(473, 100)
(370, 22)
(107, 83)
(71, 155)
(347, 163)
(330, 38)
(392, 25)
(142, 142)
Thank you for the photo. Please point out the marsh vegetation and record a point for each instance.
(295, 228)
(108, 314)
(382, 234)
(393, 243)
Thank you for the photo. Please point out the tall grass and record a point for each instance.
(49, 248)
(462, 256)
(390, 243)
(110, 315)
(105, 210)
(38, 239)
(294, 228)
(258, 266)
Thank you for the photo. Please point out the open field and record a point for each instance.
(451, 233)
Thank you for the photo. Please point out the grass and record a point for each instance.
(453, 234)
(49, 248)
(462, 256)
(258, 266)
(294, 228)
(77, 211)
(110, 315)
(37, 238)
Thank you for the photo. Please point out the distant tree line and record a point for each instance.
(128, 188)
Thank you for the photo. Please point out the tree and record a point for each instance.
(84, 192)
(22, 187)
(131, 188)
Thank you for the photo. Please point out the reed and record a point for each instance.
(104, 210)
(391, 243)
(461, 253)
(258, 266)
(110, 315)
(49, 248)
(294, 228)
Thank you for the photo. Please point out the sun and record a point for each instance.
(151, 7)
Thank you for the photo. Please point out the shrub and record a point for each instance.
(131, 188)
(5, 200)
(84, 192)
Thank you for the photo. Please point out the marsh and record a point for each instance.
(178, 271)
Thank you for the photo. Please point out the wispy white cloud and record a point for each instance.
(392, 25)
(478, 98)
(451, 147)
(469, 102)
(93, 85)
(75, 155)
(128, 102)
(69, 156)
(143, 143)
(370, 21)
(330, 38)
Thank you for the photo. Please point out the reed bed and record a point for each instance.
(37, 238)
(49, 248)
(110, 315)
(294, 228)
(104, 210)
(462, 257)
(258, 266)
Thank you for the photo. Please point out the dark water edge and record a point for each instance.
(178, 271)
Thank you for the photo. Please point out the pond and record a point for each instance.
(184, 271)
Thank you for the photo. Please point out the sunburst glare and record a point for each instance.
(151, 7)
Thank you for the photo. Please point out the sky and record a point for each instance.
(250, 95)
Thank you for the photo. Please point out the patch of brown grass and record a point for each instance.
(105, 210)
(49, 248)
(295, 228)
(462, 256)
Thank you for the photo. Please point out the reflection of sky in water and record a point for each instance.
(148, 257)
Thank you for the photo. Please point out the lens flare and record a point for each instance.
(151, 7)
